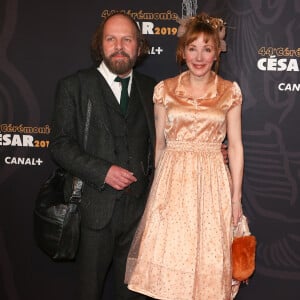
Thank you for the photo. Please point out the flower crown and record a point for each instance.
(216, 24)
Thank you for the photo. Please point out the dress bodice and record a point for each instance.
(196, 120)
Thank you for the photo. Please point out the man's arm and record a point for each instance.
(66, 134)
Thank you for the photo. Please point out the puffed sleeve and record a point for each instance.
(159, 93)
(236, 95)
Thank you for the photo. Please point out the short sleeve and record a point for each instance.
(236, 95)
(159, 93)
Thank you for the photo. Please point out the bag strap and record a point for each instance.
(77, 182)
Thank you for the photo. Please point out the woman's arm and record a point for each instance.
(236, 159)
(160, 122)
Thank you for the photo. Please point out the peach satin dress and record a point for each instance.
(182, 247)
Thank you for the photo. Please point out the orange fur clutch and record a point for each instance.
(243, 251)
(243, 257)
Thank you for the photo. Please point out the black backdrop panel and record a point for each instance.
(42, 41)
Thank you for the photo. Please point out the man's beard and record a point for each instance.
(119, 66)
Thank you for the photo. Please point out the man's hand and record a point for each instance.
(224, 153)
(119, 178)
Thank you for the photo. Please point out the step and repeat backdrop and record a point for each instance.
(42, 41)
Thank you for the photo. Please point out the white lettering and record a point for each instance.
(290, 87)
(279, 65)
(16, 140)
(5, 139)
(27, 141)
(293, 66)
(271, 64)
(146, 27)
(25, 161)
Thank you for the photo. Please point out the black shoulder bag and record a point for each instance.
(56, 219)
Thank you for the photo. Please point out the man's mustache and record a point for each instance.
(120, 53)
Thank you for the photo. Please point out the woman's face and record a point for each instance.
(200, 55)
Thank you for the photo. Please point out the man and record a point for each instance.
(116, 164)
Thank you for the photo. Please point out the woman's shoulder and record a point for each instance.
(226, 84)
(165, 87)
(231, 89)
(172, 83)
(223, 81)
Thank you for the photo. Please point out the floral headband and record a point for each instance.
(216, 23)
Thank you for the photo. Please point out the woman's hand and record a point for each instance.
(237, 212)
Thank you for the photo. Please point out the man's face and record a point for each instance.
(119, 44)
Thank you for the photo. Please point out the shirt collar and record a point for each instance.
(182, 92)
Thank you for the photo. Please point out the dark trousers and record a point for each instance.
(108, 248)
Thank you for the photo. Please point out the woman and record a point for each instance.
(182, 248)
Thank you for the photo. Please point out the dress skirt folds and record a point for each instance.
(182, 247)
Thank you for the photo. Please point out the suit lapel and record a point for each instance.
(107, 94)
(99, 93)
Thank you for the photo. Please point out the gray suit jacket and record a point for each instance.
(91, 165)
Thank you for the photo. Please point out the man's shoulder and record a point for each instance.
(86, 73)
(83, 81)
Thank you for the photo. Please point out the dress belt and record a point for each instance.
(193, 146)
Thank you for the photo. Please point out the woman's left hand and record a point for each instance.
(237, 212)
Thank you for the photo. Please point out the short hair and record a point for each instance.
(193, 28)
(97, 39)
